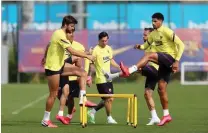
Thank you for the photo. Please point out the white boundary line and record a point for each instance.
(29, 104)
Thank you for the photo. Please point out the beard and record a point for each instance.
(68, 31)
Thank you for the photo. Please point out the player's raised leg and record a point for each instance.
(74, 70)
(141, 63)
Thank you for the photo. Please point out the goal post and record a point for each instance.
(194, 73)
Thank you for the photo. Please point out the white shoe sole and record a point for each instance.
(153, 123)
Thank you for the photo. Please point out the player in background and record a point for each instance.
(55, 65)
(69, 85)
(104, 59)
(150, 70)
(169, 51)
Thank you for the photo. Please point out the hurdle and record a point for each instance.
(131, 117)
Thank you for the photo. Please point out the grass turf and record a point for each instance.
(188, 107)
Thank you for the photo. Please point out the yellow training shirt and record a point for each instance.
(103, 58)
(79, 47)
(165, 41)
(152, 48)
(56, 51)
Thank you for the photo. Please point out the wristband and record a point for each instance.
(89, 78)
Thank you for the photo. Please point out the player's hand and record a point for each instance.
(43, 61)
(175, 66)
(90, 57)
(89, 81)
(90, 50)
(137, 46)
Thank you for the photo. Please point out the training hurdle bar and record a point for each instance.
(131, 109)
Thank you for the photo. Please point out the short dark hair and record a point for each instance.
(158, 15)
(149, 29)
(69, 20)
(102, 34)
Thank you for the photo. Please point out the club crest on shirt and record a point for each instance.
(106, 59)
(158, 43)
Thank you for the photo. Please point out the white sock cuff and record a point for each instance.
(109, 117)
(69, 116)
(46, 116)
(47, 112)
(154, 113)
(94, 111)
(82, 92)
(61, 113)
(165, 112)
(133, 69)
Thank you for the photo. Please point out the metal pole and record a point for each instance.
(80, 10)
(182, 14)
(119, 23)
(169, 15)
(119, 17)
(47, 14)
(17, 38)
(126, 14)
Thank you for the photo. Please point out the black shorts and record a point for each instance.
(165, 62)
(74, 88)
(50, 72)
(149, 70)
(69, 60)
(151, 74)
(105, 88)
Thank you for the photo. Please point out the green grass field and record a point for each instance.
(188, 107)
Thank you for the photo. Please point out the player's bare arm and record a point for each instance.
(80, 54)
(90, 71)
(114, 64)
(45, 54)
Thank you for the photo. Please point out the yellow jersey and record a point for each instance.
(103, 58)
(152, 48)
(165, 41)
(56, 51)
(79, 47)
